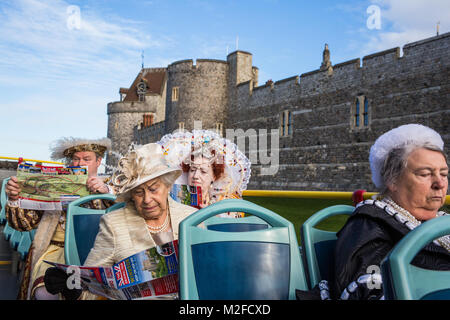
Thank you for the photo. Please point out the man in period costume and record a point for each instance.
(48, 243)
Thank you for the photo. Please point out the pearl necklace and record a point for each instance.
(160, 228)
(443, 241)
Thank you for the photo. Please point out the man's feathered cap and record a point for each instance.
(64, 148)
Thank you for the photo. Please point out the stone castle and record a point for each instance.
(326, 119)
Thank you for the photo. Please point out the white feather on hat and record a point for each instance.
(408, 134)
(67, 146)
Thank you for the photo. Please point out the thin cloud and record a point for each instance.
(36, 36)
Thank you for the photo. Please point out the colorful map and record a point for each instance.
(44, 191)
(48, 187)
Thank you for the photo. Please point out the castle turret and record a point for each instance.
(196, 93)
(240, 70)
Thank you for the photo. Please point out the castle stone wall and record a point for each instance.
(325, 152)
(149, 134)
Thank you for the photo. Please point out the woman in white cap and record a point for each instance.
(409, 168)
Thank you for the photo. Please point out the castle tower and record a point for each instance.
(145, 99)
(240, 70)
(196, 93)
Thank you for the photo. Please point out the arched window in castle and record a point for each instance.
(147, 120)
(357, 111)
(175, 93)
(286, 123)
(181, 126)
(141, 90)
(366, 112)
(360, 112)
(289, 123)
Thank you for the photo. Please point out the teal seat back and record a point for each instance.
(82, 225)
(318, 245)
(8, 231)
(250, 223)
(15, 239)
(3, 200)
(403, 281)
(260, 264)
(24, 244)
(115, 206)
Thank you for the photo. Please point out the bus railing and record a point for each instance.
(340, 195)
(34, 160)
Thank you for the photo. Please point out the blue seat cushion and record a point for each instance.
(86, 228)
(237, 227)
(241, 270)
(438, 295)
(325, 257)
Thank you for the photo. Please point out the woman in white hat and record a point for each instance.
(409, 168)
(143, 180)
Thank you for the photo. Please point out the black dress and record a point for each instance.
(366, 238)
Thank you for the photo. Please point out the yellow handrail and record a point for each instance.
(43, 161)
(342, 195)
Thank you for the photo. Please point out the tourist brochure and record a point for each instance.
(50, 188)
(149, 274)
(188, 195)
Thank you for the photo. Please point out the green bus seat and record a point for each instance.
(251, 265)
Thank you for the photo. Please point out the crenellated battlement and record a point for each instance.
(200, 64)
(129, 107)
(319, 80)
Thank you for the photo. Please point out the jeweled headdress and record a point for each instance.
(183, 146)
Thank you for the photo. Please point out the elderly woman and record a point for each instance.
(150, 217)
(410, 169)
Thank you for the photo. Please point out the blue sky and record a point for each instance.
(57, 73)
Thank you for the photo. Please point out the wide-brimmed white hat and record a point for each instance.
(139, 165)
(414, 134)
